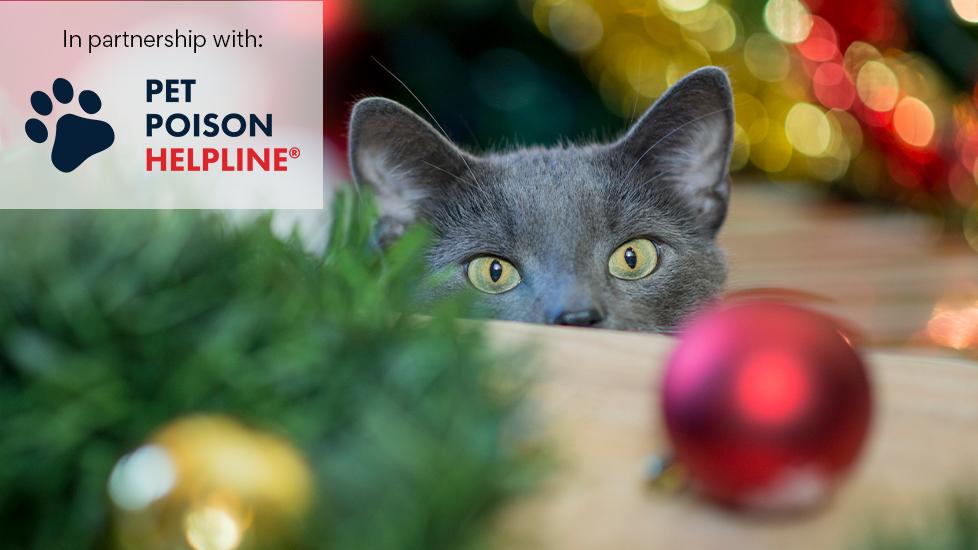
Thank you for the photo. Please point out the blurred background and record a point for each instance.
(856, 123)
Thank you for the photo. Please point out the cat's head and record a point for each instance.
(618, 235)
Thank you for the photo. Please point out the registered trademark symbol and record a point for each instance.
(294, 152)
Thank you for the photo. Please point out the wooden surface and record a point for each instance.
(886, 273)
(597, 400)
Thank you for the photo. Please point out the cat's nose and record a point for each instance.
(581, 318)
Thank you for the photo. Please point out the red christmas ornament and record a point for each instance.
(767, 404)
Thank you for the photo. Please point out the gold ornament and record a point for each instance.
(210, 483)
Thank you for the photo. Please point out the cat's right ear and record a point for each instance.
(403, 159)
(684, 142)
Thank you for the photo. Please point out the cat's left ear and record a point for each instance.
(404, 160)
(685, 140)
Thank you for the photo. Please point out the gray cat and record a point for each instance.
(619, 235)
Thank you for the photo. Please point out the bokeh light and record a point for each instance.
(212, 528)
(833, 87)
(691, 57)
(954, 325)
(858, 53)
(575, 25)
(834, 162)
(766, 58)
(808, 129)
(850, 129)
(914, 122)
(789, 20)
(773, 153)
(683, 5)
(646, 71)
(824, 90)
(821, 43)
(141, 478)
(751, 116)
(971, 225)
(716, 30)
(966, 9)
(877, 86)
(741, 149)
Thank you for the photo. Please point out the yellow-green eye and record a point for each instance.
(492, 275)
(633, 260)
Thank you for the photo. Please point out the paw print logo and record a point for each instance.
(76, 138)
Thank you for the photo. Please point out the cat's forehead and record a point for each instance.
(543, 169)
(579, 191)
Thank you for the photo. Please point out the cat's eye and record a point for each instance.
(633, 260)
(492, 274)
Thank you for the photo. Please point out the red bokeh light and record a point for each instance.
(822, 42)
(833, 87)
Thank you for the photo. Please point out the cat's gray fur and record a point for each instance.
(558, 213)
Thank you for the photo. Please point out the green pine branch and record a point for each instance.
(114, 323)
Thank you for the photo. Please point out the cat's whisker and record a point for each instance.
(468, 128)
(669, 133)
(425, 107)
(653, 178)
(439, 168)
(632, 118)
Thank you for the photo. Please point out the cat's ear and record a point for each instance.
(402, 158)
(684, 140)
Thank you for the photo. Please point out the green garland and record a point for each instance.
(113, 324)
(953, 526)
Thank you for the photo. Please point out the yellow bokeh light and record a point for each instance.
(683, 5)
(541, 13)
(850, 129)
(920, 78)
(807, 129)
(615, 54)
(834, 163)
(682, 62)
(646, 71)
(741, 149)
(828, 168)
(971, 224)
(966, 9)
(773, 154)
(211, 528)
(635, 7)
(858, 53)
(575, 25)
(877, 86)
(663, 31)
(788, 20)
(914, 122)
(716, 30)
(838, 143)
(751, 116)
(766, 58)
